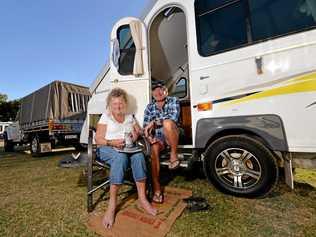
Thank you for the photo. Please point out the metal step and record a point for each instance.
(183, 164)
(185, 159)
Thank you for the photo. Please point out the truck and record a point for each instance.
(245, 74)
(3, 126)
(49, 117)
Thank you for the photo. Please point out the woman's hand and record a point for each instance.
(118, 143)
(136, 132)
(134, 135)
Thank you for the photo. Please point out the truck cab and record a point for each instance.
(3, 127)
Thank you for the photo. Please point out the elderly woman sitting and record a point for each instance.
(110, 137)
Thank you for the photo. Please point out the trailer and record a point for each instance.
(49, 117)
(245, 77)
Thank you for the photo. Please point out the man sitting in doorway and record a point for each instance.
(160, 127)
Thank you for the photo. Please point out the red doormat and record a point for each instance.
(132, 221)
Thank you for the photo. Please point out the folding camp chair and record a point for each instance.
(94, 164)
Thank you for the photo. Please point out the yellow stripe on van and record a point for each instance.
(310, 76)
(306, 83)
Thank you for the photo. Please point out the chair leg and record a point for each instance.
(89, 168)
(149, 186)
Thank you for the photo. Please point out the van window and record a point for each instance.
(203, 6)
(222, 28)
(224, 25)
(127, 50)
(268, 17)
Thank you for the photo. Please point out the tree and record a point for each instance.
(8, 110)
(3, 98)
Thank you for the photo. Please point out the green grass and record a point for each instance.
(37, 198)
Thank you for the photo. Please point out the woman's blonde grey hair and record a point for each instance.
(115, 93)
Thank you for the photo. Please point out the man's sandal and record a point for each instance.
(174, 164)
(196, 204)
(158, 198)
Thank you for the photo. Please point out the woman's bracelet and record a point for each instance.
(108, 143)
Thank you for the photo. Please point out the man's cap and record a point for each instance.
(156, 84)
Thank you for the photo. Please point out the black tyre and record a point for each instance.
(241, 166)
(35, 146)
(8, 145)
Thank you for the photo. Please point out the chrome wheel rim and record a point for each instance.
(238, 168)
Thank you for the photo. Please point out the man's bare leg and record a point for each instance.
(171, 133)
(155, 166)
(141, 189)
(108, 219)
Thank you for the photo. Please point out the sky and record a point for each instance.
(46, 40)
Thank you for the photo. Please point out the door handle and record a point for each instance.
(204, 77)
(258, 61)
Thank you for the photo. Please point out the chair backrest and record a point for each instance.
(93, 121)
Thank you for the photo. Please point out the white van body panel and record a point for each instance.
(285, 60)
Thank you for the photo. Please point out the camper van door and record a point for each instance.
(129, 62)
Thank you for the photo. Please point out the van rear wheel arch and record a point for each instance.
(268, 128)
(237, 132)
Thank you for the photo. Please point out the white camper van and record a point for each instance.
(245, 73)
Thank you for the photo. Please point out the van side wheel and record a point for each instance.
(8, 145)
(241, 166)
(35, 146)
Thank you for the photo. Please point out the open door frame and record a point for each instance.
(137, 86)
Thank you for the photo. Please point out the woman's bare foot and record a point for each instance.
(108, 219)
(147, 207)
